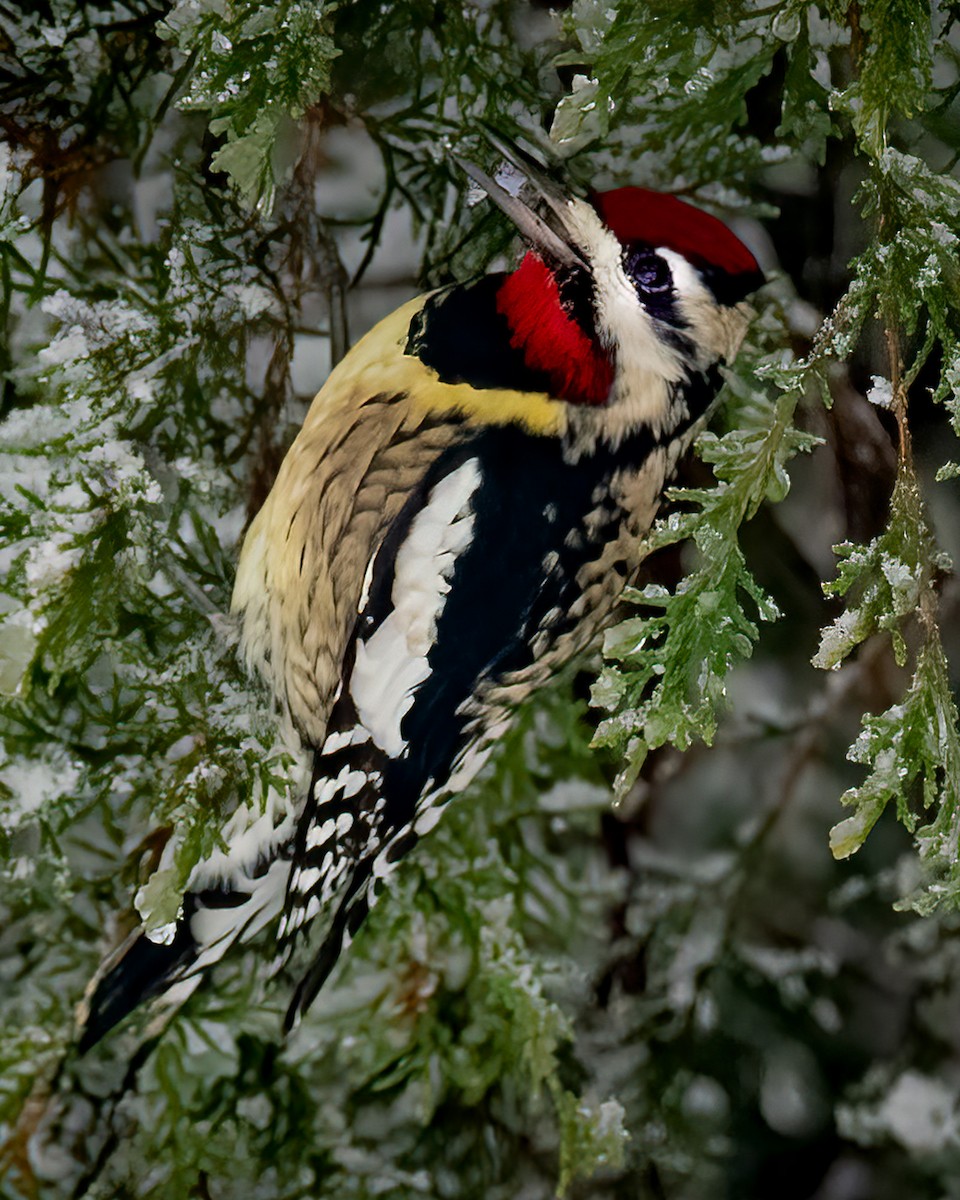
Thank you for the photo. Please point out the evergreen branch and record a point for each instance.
(670, 683)
(912, 750)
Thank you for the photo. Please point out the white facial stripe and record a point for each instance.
(686, 281)
(646, 365)
(392, 663)
(718, 329)
(630, 328)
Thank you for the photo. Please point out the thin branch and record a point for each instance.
(898, 404)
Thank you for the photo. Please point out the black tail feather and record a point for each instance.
(143, 970)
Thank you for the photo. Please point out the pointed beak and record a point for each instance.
(552, 236)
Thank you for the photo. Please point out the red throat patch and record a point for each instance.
(550, 338)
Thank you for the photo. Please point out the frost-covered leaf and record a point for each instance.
(883, 582)
(683, 95)
(894, 69)
(665, 678)
(592, 1137)
(254, 65)
(805, 119)
(912, 751)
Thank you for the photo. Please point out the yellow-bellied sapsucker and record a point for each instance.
(456, 519)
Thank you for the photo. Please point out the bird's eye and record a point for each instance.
(649, 272)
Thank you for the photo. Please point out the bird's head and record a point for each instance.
(623, 297)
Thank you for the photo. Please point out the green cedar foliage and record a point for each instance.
(161, 255)
(667, 683)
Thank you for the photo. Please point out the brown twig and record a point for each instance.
(309, 261)
(898, 403)
(858, 41)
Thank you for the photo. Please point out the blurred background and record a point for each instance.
(682, 995)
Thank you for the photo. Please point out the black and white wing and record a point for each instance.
(478, 577)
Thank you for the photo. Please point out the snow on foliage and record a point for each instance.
(652, 1006)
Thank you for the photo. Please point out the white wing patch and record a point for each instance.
(392, 663)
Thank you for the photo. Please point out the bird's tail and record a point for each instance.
(234, 896)
(67, 1130)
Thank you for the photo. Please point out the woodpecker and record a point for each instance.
(455, 520)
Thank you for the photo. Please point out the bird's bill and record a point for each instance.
(544, 238)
